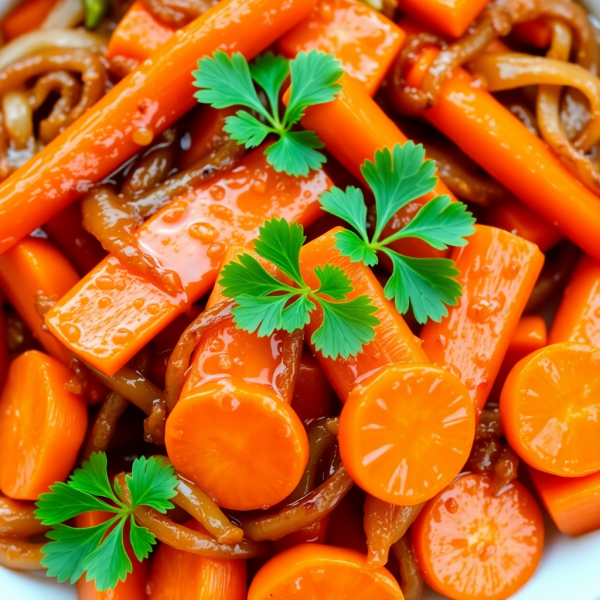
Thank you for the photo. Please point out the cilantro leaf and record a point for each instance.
(92, 478)
(348, 205)
(152, 484)
(246, 129)
(334, 282)
(263, 314)
(350, 245)
(295, 153)
(270, 72)
(236, 275)
(141, 540)
(297, 314)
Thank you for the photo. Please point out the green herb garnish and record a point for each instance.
(95, 11)
(396, 179)
(75, 550)
(229, 81)
(265, 304)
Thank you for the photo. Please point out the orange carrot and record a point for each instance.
(509, 152)
(26, 17)
(548, 407)
(535, 33)
(578, 316)
(113, 313)
(140, 106)
(365, 41)
(30, 266)
(3, 351)
(42, 426)
(497, 272)
(451, 17)
(472, 544)
(387, 390)
(325, 572)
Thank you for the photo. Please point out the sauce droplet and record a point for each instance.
(203, 232)
(143, 136)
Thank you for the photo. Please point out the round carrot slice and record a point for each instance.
(472, 545)
(42, 426)
(550, 407)
(239, 442)
(406, 432)
(323, 572)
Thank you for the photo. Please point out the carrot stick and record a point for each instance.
(26, 17)
(42, 426)
(578, 316)
(509, 152)
(497, 271)
(113, 313)
(143, 104)
(365, 41)
(30, 266)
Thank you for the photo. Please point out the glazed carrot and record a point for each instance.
(33, 265)
(472, 544)
(324, 572)
(3, 350)
(133, 588)
(513, 215)
(184, 576)
(140, 106)
(112, 313)
(41, 426)
(17, 519)
(313, 534)
(387, 390)
(497, 272)
(26, 17)
(233, 432)
(138, 34)
(365, 41)
(548, 407)
(578, 316)
(535, 33)
(509, 152)
(451, 17)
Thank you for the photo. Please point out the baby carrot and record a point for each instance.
(26, 17)
(31, 266)
(390, 416)
(365, 41)
(472, 544)
(324, 572)
(497, 272)
(141, 105)
(548, 409)
(578, 316)
(113, 313)
(42, 426)
(313, 396)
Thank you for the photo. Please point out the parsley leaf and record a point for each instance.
(265, 304)
(75, 550)
(225, 81)
(398, 177)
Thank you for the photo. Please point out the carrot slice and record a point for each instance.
(473, 545)
(578, 316)
(405, 431)
(26, 17)
(324, 572)
(42, 426)
(549, 407)
(30, 266)
(365, 41)
(497, 272)
(313, 396)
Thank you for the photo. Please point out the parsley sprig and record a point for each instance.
(265, 304)
(397, 178)
(229, 81)
(75, 550)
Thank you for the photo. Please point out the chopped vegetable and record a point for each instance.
(95, 11)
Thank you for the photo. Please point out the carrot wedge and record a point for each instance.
(151, 98)
(112, 313)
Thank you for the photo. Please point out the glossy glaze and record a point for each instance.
(112, 313)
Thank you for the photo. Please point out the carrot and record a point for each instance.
(390, 415)
(30, 266)
(186, 576)
(141, 105)
(548, 407)
(112, 313)
(535, 33)
(497, 272)
(512, 215)
(324, 572)
(3, 350)
(365, 41)
(509, 152)
(138, 34)
(313, 534)
(26, 17)
(233, 432)
(578, 316)
(42, 426)
(451, 17)
(133, 588)
(472, 544)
